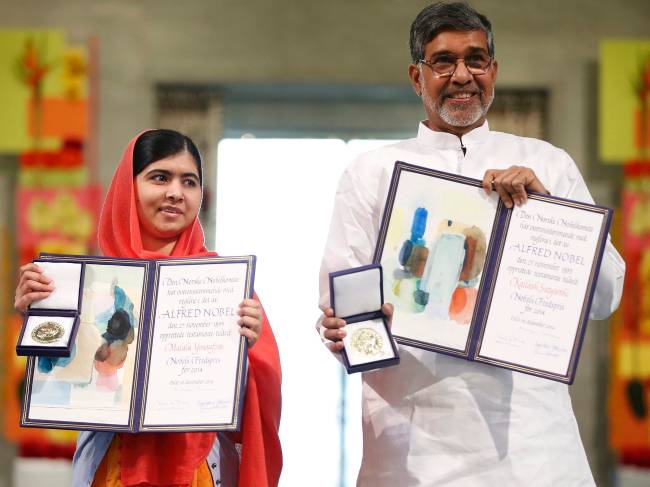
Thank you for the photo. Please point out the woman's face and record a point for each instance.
(168, 198)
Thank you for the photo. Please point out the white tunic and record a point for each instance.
(439, 420)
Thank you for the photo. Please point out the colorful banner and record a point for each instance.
(56, 220)
(624, 100)
(6, 275)
(31, 66)
(47, 121)
(629, 401)
(624, 137)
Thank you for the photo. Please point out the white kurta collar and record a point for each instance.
(445, 140)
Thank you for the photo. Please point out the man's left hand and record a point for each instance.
(511, 184)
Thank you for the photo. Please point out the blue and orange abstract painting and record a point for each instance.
(434, 255)
(97, 379)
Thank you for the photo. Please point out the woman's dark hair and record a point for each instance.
(157, 144)
(442, 16)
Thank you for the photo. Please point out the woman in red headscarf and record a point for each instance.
(151, 211)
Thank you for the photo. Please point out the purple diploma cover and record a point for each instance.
(156, 346)
(473, 279)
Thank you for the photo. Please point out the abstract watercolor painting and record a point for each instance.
(98, 375)
(437, 234)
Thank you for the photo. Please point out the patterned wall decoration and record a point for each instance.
(629, 406)
(50, 127)
(30, 71)
(624, 100)
(625, 138)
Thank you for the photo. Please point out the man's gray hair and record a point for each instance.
(442, 16)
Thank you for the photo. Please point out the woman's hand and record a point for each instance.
(33, 285)
(251, 320)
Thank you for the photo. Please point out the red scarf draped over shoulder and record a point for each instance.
(172, 458)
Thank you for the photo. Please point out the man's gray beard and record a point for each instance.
(464, 118)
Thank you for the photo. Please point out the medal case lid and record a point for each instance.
(357, 293)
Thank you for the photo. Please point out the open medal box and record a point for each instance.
(357, 297)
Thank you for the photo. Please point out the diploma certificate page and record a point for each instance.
(540, 290)
(195, 345)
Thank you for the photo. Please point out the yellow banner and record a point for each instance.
(31, 64)
(624, 100)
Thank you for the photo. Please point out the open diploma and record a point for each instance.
(473, 279)
(158, 349)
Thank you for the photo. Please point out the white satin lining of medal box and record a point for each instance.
(35, 321)
(371, 329)
(66, 278)
(357, 292)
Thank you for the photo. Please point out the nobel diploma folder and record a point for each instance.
(506, 287)
(357, 296)
(157, 348)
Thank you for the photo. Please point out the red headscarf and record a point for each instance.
(172, 458)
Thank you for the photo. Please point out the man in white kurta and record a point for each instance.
(435, 419)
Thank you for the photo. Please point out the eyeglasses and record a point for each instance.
(445, 66)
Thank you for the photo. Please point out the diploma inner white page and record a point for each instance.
(192, 375)
(541, 286)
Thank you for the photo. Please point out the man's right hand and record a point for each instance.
(334, 328)
(33, 285)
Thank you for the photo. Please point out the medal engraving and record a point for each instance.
(47, 332)
(367, 341)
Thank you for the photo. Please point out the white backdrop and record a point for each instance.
(274, 200)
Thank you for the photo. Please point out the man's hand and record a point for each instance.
(387, 309)
(333, 330)
(335, 327)
(511, 184)
(33, 285)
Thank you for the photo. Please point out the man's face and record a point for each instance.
(457, 103)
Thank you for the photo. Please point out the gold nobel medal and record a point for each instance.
(367, 341)
(47, 332)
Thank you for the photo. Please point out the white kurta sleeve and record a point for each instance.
(352, 234)
(609, 287)
(351, 238)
